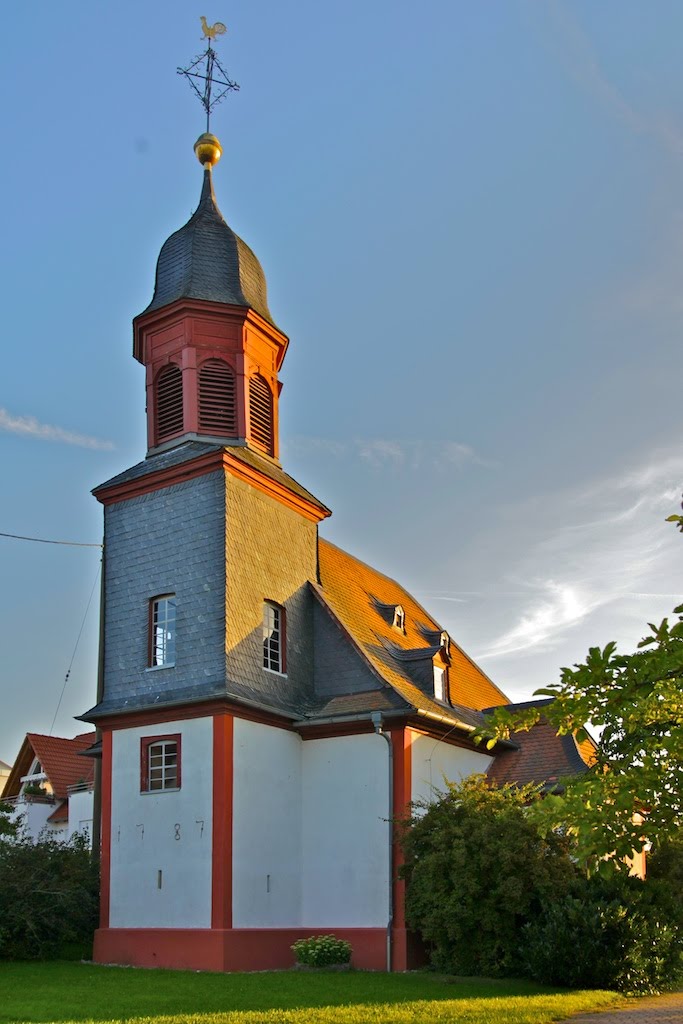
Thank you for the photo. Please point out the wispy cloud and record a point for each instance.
(378, 451)
(578, 55)
(28, 426)
(618, 551)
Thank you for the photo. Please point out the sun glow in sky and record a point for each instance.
(470, 217)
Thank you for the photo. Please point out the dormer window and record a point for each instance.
(445, 642)
(441, 683)
(399, 619)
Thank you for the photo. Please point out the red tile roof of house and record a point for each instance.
(60, 759)
(543, 757)
(355, 593)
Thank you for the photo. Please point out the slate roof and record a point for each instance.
(542, 757)
(205, 259)
(60, 761)
(194, 449)
(362, 600)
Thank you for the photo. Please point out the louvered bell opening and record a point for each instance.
(261, 413)
(169, 402)
(217, 399)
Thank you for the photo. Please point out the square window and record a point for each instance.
(159, 763)
(162, 630)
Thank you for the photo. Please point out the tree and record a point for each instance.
(634, 789)
(8, 827)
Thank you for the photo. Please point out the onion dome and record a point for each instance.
(205, 259)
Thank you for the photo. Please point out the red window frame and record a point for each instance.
(145, 743)
(283, 635)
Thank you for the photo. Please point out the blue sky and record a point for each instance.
(471, 221)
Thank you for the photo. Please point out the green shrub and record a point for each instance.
(48, 898)
(478, 869)
(322, 951)
(617, 933)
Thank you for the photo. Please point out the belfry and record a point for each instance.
(269, 704)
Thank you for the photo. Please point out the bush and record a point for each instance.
(617, 933)
(48, 898)
(477, 870)
(322, 951)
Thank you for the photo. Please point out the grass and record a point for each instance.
(68, 992)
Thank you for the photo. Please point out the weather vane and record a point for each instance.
(207, 69)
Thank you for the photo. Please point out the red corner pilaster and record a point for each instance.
(105, 839)
(400, 739)
(221, 872)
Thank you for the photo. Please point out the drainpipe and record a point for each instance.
(97, 792)
(376, 718)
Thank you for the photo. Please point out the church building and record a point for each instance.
(270, 704)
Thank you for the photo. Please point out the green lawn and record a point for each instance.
(69, 992)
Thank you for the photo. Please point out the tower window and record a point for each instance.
(274, 637)
(261, 413)
(159, 763)
(399, 619)
(169, 402)
(217, 398)
(162, 630)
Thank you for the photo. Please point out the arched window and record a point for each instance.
(217, 398)
(169, 402)
(261, 413)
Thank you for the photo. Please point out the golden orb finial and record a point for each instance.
(208, 149)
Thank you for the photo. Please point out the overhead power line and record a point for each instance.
(41, 540)
(78, 640)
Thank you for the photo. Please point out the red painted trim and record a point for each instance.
(105, 835)
(221, 459)
(239, 949)
(145, 743)
(401, 743)
(206, 709)
(221, 870)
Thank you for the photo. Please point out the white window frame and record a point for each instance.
(274, 638)
(162, 626)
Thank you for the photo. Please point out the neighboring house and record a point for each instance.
(5, 769)
(270, 704)
(51, 785)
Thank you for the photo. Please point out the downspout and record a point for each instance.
(376, 718)
(97, 790)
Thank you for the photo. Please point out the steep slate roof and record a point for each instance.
(542, 757)
(60, 761)
(362, 600)
(194, 449)
(205, 259)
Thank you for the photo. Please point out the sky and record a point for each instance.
(470, 217)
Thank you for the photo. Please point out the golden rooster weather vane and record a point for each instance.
(211, 73)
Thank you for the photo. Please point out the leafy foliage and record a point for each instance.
(48, 897)
(477, 870)
(619, 933)
(322, 951)
(636, 700)
(8, 826)
(665, 863)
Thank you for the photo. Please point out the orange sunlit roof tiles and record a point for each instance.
(60, 760)
(361, 598)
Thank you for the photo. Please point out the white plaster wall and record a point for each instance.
(432, 760)
(34, 815)
(144, 833)
(345, 786)
(80, 813)
(266, 827)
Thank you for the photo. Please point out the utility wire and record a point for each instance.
(78, 638)
(40, 540)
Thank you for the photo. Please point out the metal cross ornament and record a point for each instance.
(207, 69)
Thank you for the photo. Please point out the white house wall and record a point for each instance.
(80, 814)
(432, 760)
(162, 831)
(266, 827)
(345, 785)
